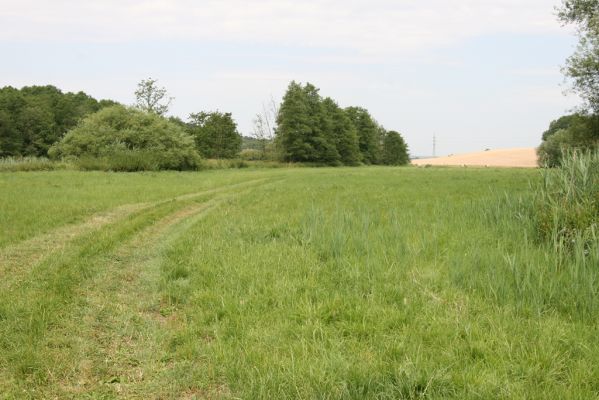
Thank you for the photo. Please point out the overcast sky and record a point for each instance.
(476, 73)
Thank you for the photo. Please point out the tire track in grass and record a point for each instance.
(120, 321)
(31, 251)
(122, 317)
(34, 349)
(31, 309)
(17, 259)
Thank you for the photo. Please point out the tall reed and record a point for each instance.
(566, 203)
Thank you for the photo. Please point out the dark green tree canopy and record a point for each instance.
(215, 134)
(313, 129)
(563, 123)
(395, 149)
(343, 133)
(576, 131)
(369, 137)
(35, 117)
(300, 125)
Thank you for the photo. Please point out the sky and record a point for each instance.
(475, 74)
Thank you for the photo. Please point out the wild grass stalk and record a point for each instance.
(566, 204)
(15, 164)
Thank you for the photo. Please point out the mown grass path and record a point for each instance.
(21, 257)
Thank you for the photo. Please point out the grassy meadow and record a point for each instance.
(333, 283)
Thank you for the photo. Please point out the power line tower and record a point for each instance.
(434, 145)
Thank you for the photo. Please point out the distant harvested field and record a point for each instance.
(521, 157)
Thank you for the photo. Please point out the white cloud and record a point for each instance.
(371, 27)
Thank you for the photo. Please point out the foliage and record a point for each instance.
(395, 149)
(369, 135)
(215, 134)
(299, 129)
(251, 143)
(343, 133)
(151, 98)
(562, 123)
(566, 205)
(127, 139)
(315, 130)
(583, 66)
(550, 151)
(34, 118)
(576, 131)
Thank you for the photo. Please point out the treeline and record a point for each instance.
(314, 129)
(129, 139)
(34, 118)
(45, 122)
(42, 121)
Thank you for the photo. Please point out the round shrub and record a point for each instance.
(126, 139)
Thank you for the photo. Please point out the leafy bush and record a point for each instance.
(566, 205)
(566, 134)
(215, 134)
(125, 139)
(551, 150)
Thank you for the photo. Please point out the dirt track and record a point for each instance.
(520, 157)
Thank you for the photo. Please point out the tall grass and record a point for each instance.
(345, 283)
(566, 204)
(552, 264)
(16, 164)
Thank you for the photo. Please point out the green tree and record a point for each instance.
(215, 134)
(35, 117)
(562, 123)
(118, 134)
(583, 66)
(151, 98)
(395, 149)
(570, 132)
(38, 130)
(300, 122)
(368, 134)
(323, 136)
(343, 133)
(11, 141)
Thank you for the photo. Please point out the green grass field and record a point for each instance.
(346, 283)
